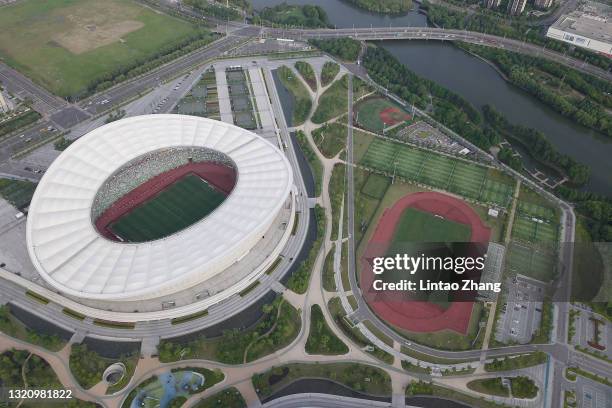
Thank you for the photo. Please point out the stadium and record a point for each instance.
(160, 210)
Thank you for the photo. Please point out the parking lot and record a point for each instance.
(591, 394)
(522, 313)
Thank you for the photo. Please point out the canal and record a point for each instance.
(480, 84)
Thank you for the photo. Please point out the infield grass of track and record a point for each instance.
(64, 44)
(469, 180)
(173, 209)
(421, 226)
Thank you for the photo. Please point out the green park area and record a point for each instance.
(87, 366)
(359, 377)
(176, 207)
(277, 328)
(321, 339)
(12, 326)
(333, 102)
(21, 370)
(329, 72)
(73, 46)
(330, 138)
(307, 73)
(172, 388)
(301, 99)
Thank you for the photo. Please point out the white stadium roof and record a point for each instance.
(72, 256)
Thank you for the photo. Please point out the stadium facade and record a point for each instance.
(201, 264)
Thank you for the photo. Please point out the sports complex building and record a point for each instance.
(161, 212)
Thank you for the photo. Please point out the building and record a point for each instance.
(4, 104)
(543, 4)
(516, 7)
(203, 263)
(587, 27)
(492, 3)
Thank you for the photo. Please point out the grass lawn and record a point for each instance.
(301, 98)
(420, 226)
(336, 188)
(321, 339)
(329, 283)
(174, 208)
(306, 71)
(330, 138)
(66, 44)
(333, 102)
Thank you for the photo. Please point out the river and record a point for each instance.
(480, 84)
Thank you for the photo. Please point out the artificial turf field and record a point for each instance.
(410, 163)
(65, 44)
(174, 208)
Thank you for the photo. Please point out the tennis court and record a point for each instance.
(173, 209)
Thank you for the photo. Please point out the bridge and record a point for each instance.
(438, 34)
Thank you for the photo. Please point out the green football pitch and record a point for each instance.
(178, 206)
(419, 226)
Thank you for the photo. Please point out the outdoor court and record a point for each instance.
(445, 172)
(417, 218)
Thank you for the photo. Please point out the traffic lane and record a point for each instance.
(103, 101)
(19, 141)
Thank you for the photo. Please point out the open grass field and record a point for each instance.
(301, 98)
(420, 226)
(374, 114)
(411, 163)
(178, 206)
(66, 44)
(330, 138)
(333, 102)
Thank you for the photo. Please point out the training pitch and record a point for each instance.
(65, 45)
(174, 208)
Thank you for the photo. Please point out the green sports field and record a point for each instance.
(411, 163)
(420, 226)
(66, 44)
(368, 113)
(178, 206)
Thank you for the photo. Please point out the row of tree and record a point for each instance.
(538, 146)
(384, 6)
(344, 48)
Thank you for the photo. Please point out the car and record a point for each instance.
(28, 140)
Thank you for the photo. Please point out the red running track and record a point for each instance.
(411, 315)
(220, 176)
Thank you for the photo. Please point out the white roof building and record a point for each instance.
(75, 259)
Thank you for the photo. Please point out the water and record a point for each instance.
(480, 84)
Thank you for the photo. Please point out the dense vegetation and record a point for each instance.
(62, 143)
(301, 99)
(329, 72)
(87, 366)
(349, 374)
(321, 339)
(19, 122)
(333, 102)
(541, 149)
(215, 10)
(298, 282)
(446, 17)
(313, 161)
(523, 387)
(230, 398)
(596, 209)
(490, 386)
(306, 71)
(384, 6)
(346, 48)
(293, 15)
(449, 108)
(544, 79)
(10, 326)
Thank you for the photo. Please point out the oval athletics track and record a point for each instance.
(410, 315)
